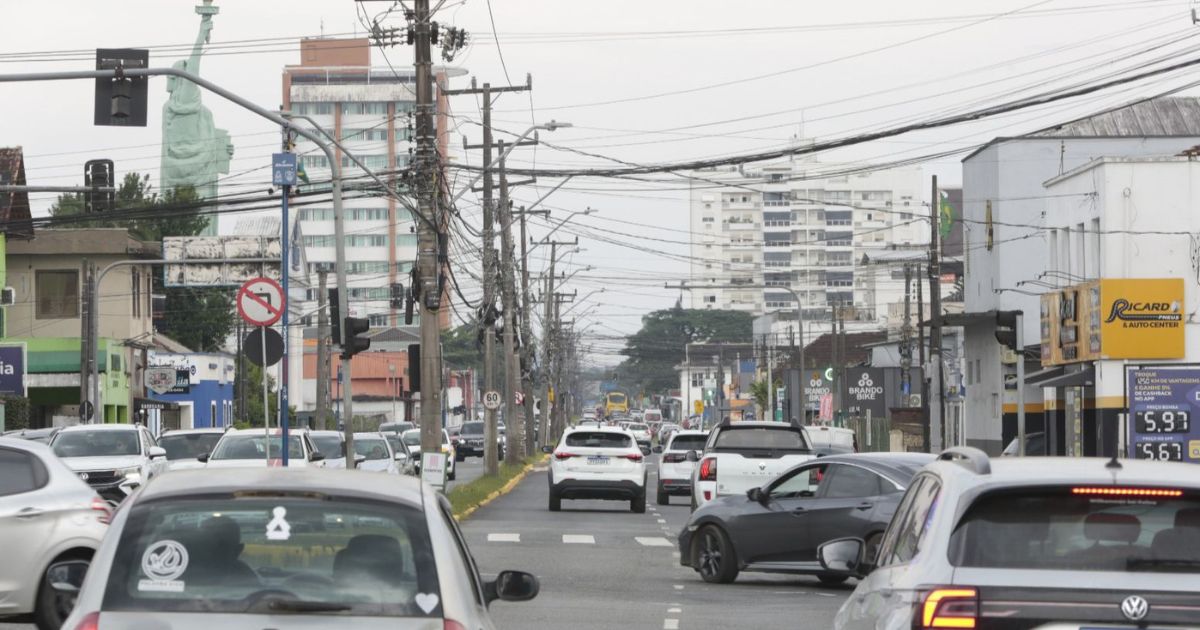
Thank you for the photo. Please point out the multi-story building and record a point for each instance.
(782, 225)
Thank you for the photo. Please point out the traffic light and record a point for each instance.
(355, 342)
(1006, 328)
(414, 367)
(335, 316)
(120, 101)
(99, 174)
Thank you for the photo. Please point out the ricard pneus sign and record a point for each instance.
(1142, 318)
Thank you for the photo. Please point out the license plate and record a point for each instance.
(597, 461)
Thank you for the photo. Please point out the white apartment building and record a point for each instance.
(781, 225)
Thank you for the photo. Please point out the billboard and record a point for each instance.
(196, 250)
(863, 392)
(1138, 318)
(12, 370)
(1162, 402)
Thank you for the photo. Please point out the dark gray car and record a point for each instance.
(777, 528)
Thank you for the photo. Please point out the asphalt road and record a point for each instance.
(602, 566)
(466, 471)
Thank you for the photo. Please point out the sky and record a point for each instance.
(642, 82)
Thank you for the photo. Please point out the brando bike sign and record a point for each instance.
(1163, 402)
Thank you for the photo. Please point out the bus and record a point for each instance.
(615, 402)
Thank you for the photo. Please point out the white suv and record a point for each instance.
(248, 448)
(597, 463)
(674, 469)
(114, 459)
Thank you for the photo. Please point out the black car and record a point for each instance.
(777, 528)
(470, 441)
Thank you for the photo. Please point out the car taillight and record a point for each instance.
(956, 607)
(634, 457)
(673, 458)
(708, 469)
(1114, 491)
(561, 455)
(103, 512)
(90, 621)
(450, 624)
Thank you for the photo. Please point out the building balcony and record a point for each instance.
(740, 226)
(781, 203)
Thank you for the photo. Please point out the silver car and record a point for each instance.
(374, 454)
(51, 523)
(281, 548)
(183, 446)
(114, 459)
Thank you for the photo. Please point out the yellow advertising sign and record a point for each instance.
(698, 407)
(1141, 318)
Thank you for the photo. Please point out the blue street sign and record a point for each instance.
(283, 169)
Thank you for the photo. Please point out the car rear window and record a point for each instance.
(371, 448)
(782, 438)
(1069, 528)
(688, 443)
(273, 555)
(188, 445)
(252, 447)
(638, 427)
(599, 439)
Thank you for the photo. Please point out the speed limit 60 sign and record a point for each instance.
(491, 399)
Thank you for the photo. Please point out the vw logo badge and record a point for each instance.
(1135, 607)
(83, 476)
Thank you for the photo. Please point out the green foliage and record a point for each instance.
(469, 495)
(462, 348)
(658, 347)
(16, 412)
(254, 398)
(199, 318)
(762, 395)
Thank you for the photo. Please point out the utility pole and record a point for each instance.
(527, 337)
(88, 352)
(925, 432)
(513, 445)
(430, 235)
(322, 349)
(548, 342)
(906, 337)
(938, 405)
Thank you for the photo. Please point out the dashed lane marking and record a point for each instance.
(670, 624)
(578, 539)
(679, 587)
(514, 538)
(675, 610)
(662, 520)
(653, 541)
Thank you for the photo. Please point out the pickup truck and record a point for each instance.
(743, 455)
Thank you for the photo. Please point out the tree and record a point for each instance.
(658, 347)
(199, 318)
(254, 400)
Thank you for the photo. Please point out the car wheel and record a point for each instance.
(832, 580)
(663, 497)
(638, 504)
(555, 501)
(54, 605)
(714, 557)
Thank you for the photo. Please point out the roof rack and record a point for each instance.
(968, 457)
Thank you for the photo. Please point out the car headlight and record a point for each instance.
(133, 474)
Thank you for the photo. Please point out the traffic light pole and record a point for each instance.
(1020, 337)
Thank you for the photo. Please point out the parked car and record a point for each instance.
(674, 469)
(1056, 542)
(374, 454)
(183, 446)
(597, 463)
(252, 448)
(114, 459)
(331, 445)
(37, 435)
(51, 523)
(826, 440)
(777, 527)
(743, 455)
(298, 548)
(412, 439)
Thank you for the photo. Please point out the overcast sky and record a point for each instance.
(636, 78)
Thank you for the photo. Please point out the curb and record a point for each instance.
(505, 489)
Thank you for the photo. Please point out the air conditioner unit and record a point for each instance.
(914, 400)
(1008, 356)
(8, 296)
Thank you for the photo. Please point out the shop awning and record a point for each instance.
(1077, 378)
(151, 404)
(1036, 378)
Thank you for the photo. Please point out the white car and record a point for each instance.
(248, 448)
(674, 469)
(641, 433)
(183, 446)
(51, 523)
(331, 444)
(743, 455)
(374, 454)
(114, 459)
(597, 463)
(827, 440)
(412, 439)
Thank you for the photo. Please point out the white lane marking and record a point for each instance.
(516, 538)
(670, 624)
(675, 610)
(578, 539)
(653, 541)
(679, 587)
(662, 520)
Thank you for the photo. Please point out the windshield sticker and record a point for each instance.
(163, 563)
(279, 528)
(427, 601)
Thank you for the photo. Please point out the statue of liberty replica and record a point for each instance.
(194, 150)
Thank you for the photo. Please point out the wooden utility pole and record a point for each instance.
(937, 405)
(513, 445)
(527, 337)
(322, 350)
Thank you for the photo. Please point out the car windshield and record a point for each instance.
(782, 438)
(97, 443)
(599, 439)
(331, 446)
(370, 447)
(1069, 528)
(413, 438)
(472, 428)
(396, 443)
(688, 443)
(188, 445)
(638, 427)
(251, 447)
(257, 554)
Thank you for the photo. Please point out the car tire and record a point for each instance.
(713, 556)
(663, 497)
(831, 580)
(555, 501)
(51, 611)
(638, 504)
(452, 475)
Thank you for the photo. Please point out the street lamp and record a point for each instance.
(570, 216)
(550, 126)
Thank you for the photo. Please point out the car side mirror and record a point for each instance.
(203, 459)
(512, 586)
(401, 457)
(547, 449)
(693, 456)
(315, 457)
(757, 495)
(844, 556)
(657, 449)
(360, 458)
(156, 452)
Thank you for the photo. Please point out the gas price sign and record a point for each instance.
(1162, 401)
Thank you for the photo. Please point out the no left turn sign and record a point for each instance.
(260, 301)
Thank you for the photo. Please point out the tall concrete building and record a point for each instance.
(779, 225)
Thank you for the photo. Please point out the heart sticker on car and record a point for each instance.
(427, 601)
